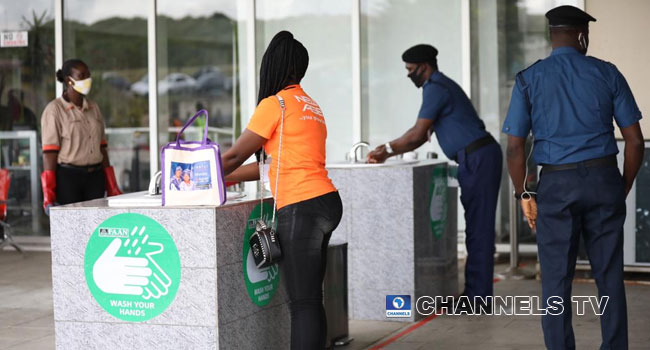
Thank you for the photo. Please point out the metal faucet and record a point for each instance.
(155, 184)
(352, 154)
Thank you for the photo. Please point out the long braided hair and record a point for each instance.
(285, 61)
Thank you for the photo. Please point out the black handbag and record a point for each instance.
(264, 242)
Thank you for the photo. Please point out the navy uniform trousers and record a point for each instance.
(588, 202)
(479, 177)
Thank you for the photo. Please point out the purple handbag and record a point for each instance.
(192, 173)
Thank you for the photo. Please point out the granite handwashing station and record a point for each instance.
(139, 272)
(407, 209)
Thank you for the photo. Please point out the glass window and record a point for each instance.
(520, 29)
(111, 37)
(324, 28)
(197, 68)
(642, 235)
(26, 86)
(390, 102)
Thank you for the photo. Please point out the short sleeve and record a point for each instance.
(435, 99)
(517, 121)
(266, 117)
(626, 111)
(51, 129)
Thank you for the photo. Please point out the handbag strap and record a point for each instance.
(277, 173)
(189, 122)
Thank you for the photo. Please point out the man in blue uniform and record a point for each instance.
(448, 112)
(569, 101)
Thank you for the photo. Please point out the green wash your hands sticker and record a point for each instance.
(261, 284)
(132, 267)
(438, 194)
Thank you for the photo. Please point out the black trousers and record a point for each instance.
(304, 229)
(78, 185)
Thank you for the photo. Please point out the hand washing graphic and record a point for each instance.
(256, 274)
(120, 275)
(132, 275)
(261, 284)
(132, 267)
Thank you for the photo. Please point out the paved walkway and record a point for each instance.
(26, 319)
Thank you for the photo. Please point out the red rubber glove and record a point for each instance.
(48, 183)
(111, 183)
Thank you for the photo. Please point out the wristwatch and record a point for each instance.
(389, 149)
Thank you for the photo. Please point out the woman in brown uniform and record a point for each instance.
(75, 161)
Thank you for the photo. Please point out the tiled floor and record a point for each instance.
(26, 320)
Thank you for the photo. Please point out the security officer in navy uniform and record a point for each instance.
(448, 112)
(569, 101)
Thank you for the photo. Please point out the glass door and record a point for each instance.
(26, 86)
(111, 37)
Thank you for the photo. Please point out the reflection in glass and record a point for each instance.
(390, 101)
(111, 37)
(324, 28)
(26, 86)
(197, 66)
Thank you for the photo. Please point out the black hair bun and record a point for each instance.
(59, 76)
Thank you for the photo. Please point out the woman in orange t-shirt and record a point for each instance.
(309, 206)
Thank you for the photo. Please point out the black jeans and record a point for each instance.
(304, 229)
(77, 185)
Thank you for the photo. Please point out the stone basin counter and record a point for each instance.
(402, 238)
(201, 264)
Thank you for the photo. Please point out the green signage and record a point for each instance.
(132, 267)
(438, 201)
(261, 284)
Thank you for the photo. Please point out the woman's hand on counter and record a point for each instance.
(247, 144)
(248, 172)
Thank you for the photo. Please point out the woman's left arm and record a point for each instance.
(244, 147)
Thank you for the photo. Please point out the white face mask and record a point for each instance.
(82, 86)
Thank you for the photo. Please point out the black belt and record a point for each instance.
(608, 161)
(478, 144)
(85, 168)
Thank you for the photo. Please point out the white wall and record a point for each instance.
(620, 36)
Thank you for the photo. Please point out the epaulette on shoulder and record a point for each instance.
(602, 61)
(522, 82)
(529, 67)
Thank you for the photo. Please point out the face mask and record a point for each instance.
(417, 77)
(82, 86)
